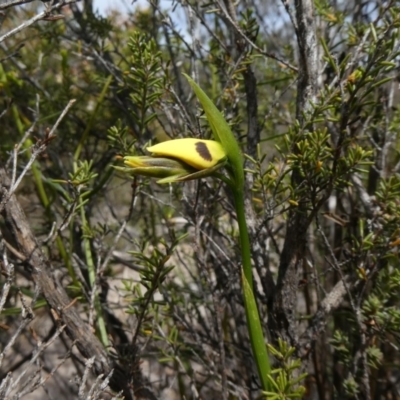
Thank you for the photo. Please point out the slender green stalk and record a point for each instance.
(86, 242)
(222, 133)
(253, 318)
(92, 279)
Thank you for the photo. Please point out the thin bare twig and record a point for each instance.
(9, 269)
(38, 17)
(27, 317)
(39, 350)
(12, 3)
(251, 43)
(39, 147)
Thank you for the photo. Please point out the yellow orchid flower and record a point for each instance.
(178, 160)
(198, 153)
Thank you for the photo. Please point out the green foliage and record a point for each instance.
(249, 25)
(341, 343)
(351, 387)
(144, 80)
(158, 267)
(285, 379)
(375, 357)
(153, 272)
(120, 138)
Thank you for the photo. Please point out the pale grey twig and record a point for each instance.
(289, 12)
(38, 149)
(5, 384)
(27, 317)
(88, 366)
(110, 251)
(364, 196)
(64, 223)
(79, 265)
(356, 308)
(26, 135)
(99, 386)
(203, 21)
(42, 346)
(14, 168)
(36, 18)
(10, 277)
(335, 263)
(117, 396)
(33, 384)
(61, 117)
(51, 233)
(11, 3)
(251, 43)
(330, 303)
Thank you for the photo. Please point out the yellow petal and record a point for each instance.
(199, 154)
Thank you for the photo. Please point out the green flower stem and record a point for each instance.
(222, 133)
(253, 318)
(92, 280)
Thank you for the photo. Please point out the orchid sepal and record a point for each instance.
(195, 175)
(155, 167)
(168, 169)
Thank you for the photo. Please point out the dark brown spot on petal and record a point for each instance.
(203, 151)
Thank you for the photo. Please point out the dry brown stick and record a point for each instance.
(283, 323)
(41, 271)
